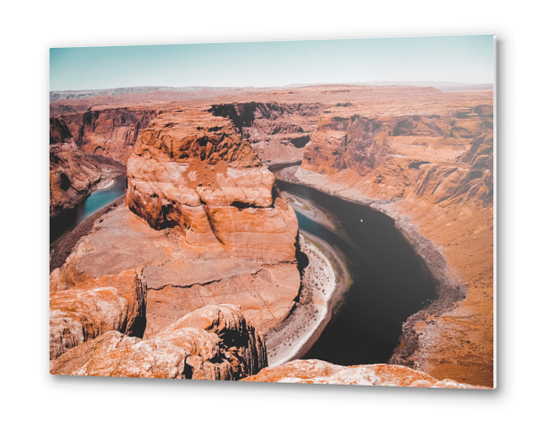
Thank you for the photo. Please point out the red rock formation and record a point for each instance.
(320, 372)
(212, 343)
(177, 282)
(395, 155)
(193, 170)
(109, 131)
(72, 173)
(277, 131)
(266, 296)
(93, 307)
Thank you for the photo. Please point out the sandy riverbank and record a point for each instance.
(61, 248)
(104, 185)
(324, 283)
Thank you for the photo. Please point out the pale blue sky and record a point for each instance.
(467, 59)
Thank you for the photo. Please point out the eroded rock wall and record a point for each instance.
(212, 343)
(72, 173)
(109, 131)
(93, 307)
(277, 132)
(436, 156)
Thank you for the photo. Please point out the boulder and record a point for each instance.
(95, 306)
(313, 371)
(212, 343)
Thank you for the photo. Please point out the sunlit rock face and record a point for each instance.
(193, 170)
(212, 343)
(92, 307)
(110, 131)
(440, 157)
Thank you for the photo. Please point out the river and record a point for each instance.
(69, 218)
(390, 281)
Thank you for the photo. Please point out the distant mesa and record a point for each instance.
(55, 96)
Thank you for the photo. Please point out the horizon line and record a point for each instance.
(292, 85)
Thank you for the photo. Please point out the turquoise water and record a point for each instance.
(97, 200)
(390, 281)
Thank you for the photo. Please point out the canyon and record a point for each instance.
(73, 174)
(204, 224)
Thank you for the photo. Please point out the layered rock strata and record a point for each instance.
(178, 282)
(92, 307)
(212, 343)
(72, 173)
(439, 157)
(193, 171)
(314, 371)
(277, 131)
(109, 131)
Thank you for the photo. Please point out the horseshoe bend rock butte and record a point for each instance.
(209, 226)
(213, 343)
(193, 170)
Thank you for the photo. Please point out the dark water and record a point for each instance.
(391, 282)
(68, 219)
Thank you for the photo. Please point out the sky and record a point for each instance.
(465, 59)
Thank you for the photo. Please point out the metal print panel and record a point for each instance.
(303, 212)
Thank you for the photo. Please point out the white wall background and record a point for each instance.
(29, 29)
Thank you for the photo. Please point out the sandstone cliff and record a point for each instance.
(72, 173)
(95, 306)
(212, 343)
(192, 170)
(277, 131)
(178, 282)
(109, 131)
(440, 157)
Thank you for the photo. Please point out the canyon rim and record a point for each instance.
(243, 212)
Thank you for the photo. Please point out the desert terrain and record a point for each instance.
(202, 271)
